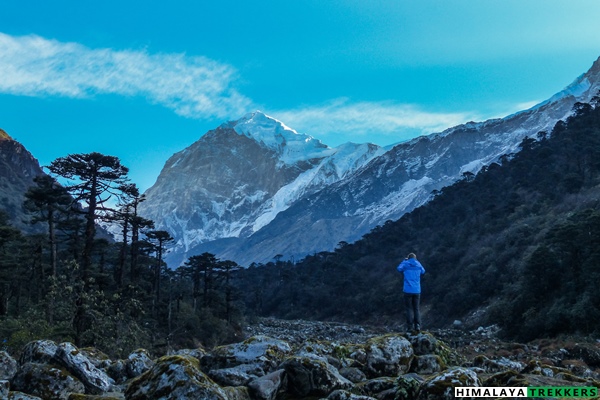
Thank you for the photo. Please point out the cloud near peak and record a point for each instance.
(402, 121)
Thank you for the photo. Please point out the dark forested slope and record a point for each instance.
(519, 243)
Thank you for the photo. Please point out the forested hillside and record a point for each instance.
(518, 242)
(67, 283)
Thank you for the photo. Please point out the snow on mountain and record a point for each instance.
(290, 146)
(235, 179)
(401, 179)
(254, 188)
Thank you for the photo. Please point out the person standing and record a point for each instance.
(412, 270)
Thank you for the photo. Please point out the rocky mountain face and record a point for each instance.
(297, 216)
(17, 170)
(237, 178)
(299, 360)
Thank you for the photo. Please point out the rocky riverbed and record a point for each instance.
(303, 360)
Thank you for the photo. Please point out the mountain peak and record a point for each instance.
(273, 134)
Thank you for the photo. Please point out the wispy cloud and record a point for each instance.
(400, 121)
(192, 86)
(195, 87)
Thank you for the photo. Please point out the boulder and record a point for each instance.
(427, 364)
(423, 343)
(263, 351)
(237, 393)
(174, 377)
(499, 365)
(21, 396)
(118, 371)
(388, 355)
(46, 381)
(407, 386)
(38, 351)
(95, 380)
(198, 353)
(137, 363)
(4, 388)
(312, 376)
(441, 386)
(8, 366)
(266, 387)
(235, 376)
(345, 395)
(373, 387)
(353, 374)
(98, 358)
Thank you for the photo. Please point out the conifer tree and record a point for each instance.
(159, 239)
(97, 177)
(47, 199)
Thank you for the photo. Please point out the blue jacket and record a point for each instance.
(412, 270)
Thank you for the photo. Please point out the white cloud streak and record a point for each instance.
(194, 87)
(400, 121)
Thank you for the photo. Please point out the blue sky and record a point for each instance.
(142, 80)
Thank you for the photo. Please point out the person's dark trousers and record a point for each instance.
(411, 304)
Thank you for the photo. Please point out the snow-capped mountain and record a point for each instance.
(312, 196)
(237, 178)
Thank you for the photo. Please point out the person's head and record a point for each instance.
(411, 255)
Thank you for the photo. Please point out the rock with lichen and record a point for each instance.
(8, 366)
(262, 351)
(174, 377)
(407, 386)
(441, 386)
(374, 387)
(312, 376)
(46, 381)
(388, 355)
(268, 386)
(427, 364)
(138, 362)
(96, 381)
(239, 375)
(21, 396)
(345, 395)
(38, 351)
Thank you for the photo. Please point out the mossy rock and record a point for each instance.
(441, 387)
(260, 349)
(372, 387)
(427, 364)
(174, 377)
(449, 357)
(310, 376)
(407, 386)
(46, 381)
(506, 378)
(237, 393)
(387, 355)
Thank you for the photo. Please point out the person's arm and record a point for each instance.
(421, 266)
(400, 267)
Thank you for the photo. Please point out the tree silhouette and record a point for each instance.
(97, 177)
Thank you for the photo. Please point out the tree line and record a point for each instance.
(72, 281)
(516, 244)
